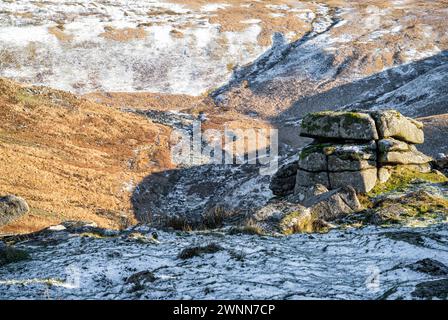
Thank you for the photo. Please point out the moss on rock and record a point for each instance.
(402, 178)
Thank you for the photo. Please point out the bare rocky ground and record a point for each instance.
(369, 263)
(250, 67)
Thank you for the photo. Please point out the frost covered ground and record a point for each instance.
(364, 263)
(156, 46)
(324, 55)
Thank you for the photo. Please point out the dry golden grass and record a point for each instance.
(147, 100)
(233, 17)
(123, 35)
(70, 158)
(58, 32)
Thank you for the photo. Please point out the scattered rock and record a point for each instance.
(429, 266)
(310, 210)
(302, 193)
(10, 254)
(334, 204)
(432, 289)
(192, 252)
(11, 208)
(141, 277)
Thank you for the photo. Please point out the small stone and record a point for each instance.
(383, 175)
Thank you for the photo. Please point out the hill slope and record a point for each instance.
(71, 158)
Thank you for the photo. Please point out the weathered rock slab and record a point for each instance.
(336, 164)
(339, 125)
(283, 181)
(406, 157)
(392, 124)
(303, 193)
(334, 204)
(391, 144)
(362, 181)
(306, 178)
(313, 161)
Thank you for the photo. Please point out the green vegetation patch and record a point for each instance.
(402, 178)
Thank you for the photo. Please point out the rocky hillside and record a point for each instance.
(91, 91)
(71, 158)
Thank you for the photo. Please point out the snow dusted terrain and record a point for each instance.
(154, 46)
(351, 56)
(366, 263)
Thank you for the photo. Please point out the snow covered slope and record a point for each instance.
(156, 46)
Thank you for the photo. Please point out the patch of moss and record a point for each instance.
(402, 178)
(419, 204)
(351, 118)
(329, 150)
(11, 255)
(26, 99)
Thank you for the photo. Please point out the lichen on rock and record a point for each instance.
(365, 154)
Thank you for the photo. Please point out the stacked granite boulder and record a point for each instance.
(357, 149)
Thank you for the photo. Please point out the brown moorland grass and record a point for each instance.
(272, 19)
(71, 158)
(123, 35)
